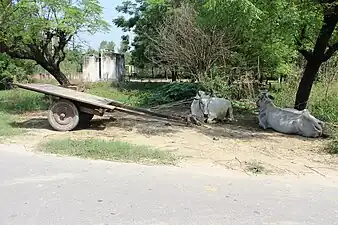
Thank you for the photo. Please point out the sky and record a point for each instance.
(114, 34)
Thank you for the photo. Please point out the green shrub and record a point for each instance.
(172, 92)
(19, 100)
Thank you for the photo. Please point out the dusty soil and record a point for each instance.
(240, 145)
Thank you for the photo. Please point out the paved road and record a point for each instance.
(44, 190)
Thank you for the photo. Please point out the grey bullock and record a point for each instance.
(211, 108)
(287, 120)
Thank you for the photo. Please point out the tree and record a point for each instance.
(107, 45)
(322, 51)
(145, 16)
(92, 51)
(40, 30)
(183, 43)
(14, 69)
(124, 45)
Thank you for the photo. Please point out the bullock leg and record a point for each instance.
(231, 114)
(262, 122)
(191, 118)
(211, 120)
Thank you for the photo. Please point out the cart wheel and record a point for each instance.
(63, 115)
(85, 119)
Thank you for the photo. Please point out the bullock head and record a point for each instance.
(202, 99)
(201, 94)
(264, 98)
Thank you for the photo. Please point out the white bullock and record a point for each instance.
(211, 108)
(287, 120)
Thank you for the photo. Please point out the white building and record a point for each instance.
(107, 67)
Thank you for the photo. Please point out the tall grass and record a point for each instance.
(323, 101)
(19, 100)
(143, 94)
(14, 102)
(323, 104)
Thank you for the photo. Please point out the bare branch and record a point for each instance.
(181, 42)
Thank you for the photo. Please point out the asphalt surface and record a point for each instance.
(43, 189)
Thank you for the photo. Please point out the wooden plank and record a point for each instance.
(66, 93)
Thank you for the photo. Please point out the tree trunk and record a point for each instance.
(305, 85)
(315, 58)
(173, 75)
(57, 74)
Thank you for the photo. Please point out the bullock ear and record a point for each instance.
(271, 97)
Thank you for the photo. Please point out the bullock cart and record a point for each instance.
(70, 108)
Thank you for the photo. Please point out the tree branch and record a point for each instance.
(330, 51)
(306, 53)
(14, 52)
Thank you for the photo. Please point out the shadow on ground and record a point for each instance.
(245, 127)
(142, 126)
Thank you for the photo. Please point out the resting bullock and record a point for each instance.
(287, 120)
(211, 108)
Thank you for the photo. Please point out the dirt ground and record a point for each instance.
(240, 146)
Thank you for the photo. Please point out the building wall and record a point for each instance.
(90, 72)
(110, 67)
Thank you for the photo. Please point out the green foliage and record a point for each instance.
(172, 92)
(5, 126)
(250, 22)
(108, 150)
(323, 100)
(19, 101)
(13, 69)
(107, 45)
(104, 89)
(145, 17)
(49, 16)
(41, 30)
(332, 147)
(145, 95)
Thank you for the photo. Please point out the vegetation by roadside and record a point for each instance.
(18, 101)
(323, 104)
(14, 102)
(332, 147)
(144, 94)
(108, 150)
(5, 129)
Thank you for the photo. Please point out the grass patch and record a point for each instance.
(5, 129)
(17, 101)
(20, 100)
(255, 167)
(106, 90)
(332, 147)
(108, 150)
(144, 94)
(323, 102)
